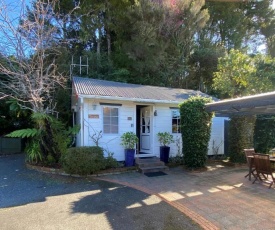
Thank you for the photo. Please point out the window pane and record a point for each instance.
(114, 112)
(175, 113)
(114, 120)
(143, 129)
(106, 111)
(174, 129)
(106, 120)
(110, 120)
(175, 121)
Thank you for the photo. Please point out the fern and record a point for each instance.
(73, 130)
(38, 117)
(24, 133)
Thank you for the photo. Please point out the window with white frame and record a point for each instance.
(110, 120)
(175, 121)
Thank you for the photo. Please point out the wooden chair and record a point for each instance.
(263, 169)
(250, 162)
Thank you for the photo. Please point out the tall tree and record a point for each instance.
(203, 63)
(238, 25)
(29, 76)
(240, 74)
(267, 26)
(232, 77)
(157, 40)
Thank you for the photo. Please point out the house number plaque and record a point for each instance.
(93, 116)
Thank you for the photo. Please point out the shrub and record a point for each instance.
(240, 137)
(83, 160)
(129, 140)
(32, 150)
(264, 133)
(111, 162)
(49, 135)
(195, 130)
(176, 160)
(165, 138)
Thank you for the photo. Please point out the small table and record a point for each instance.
(250, 162)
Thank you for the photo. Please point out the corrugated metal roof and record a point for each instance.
(95, 87)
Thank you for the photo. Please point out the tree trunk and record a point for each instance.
(48, 146)
(98, 47)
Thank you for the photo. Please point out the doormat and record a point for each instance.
(153, 174)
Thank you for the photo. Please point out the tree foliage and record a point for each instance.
(24, 133)
(183, 44)
(240, 74)
(234, 71)
(29, 74)
(203, 63)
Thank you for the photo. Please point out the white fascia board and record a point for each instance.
(138, 100)
(243, 99)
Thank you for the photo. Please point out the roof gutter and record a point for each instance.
(138, 100)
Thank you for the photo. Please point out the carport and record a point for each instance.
(250, 105)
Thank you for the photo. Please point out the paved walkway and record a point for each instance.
(220, 198)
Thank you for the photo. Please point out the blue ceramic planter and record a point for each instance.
(129, 157)
(164, 153)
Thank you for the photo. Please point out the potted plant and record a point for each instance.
(129, 141)
(165, 139)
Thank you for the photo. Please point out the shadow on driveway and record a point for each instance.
(34, 200)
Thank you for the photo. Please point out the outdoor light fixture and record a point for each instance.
(94, 106)
(155, 113)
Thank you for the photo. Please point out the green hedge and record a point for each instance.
(264, 133)
(195, 130)
(83, 160)
(240, 137)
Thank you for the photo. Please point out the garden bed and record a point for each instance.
(60, 171)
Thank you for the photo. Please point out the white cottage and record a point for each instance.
(106, 109)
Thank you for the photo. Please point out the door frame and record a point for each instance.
(138, 130)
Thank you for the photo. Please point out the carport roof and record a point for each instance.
(251, 105)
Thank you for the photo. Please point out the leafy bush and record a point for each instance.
(264, 133)
(83, 160)
(195, 130)
(129, 140)
(176, 160)
(32, 151)
(51, 136)
(240, 137)
(110, 161)
(165, 138)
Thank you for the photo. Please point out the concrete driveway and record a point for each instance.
(34, 200)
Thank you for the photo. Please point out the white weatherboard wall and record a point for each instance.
(216, 143)
(93, 124)
(163, 123)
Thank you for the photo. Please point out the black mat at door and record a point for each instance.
(153, 174)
